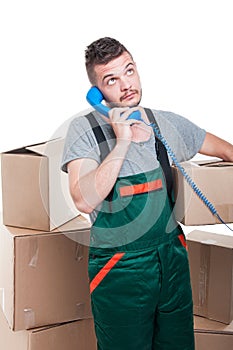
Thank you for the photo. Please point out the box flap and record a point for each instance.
(215, 162)
(40, 149)
(23, 149)
(77, 224)
(204, 162)
(210, 238)
(48, 148)
(221, 164)
(205, 325)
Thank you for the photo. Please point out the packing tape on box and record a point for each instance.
(204, 277)
(29, 318)
(79, 252)
(33, 252)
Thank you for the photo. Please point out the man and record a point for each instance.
(138, 266)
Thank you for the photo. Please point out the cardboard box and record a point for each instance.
(215, 180)
(77, 335)
(35, 192)
(212, 335)
(43, 276)
(211, 269)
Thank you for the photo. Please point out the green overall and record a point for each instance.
(138, 269)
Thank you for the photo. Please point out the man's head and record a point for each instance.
(102, 51)
(110, 67)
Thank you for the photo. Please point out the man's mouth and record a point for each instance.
(129, 95)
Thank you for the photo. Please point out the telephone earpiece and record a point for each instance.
(95, 97)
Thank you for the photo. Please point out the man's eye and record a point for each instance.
(111, 81)
(130, 71)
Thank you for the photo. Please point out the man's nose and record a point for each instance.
(125, 84)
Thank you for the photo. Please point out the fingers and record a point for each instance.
(122, 114)
(116, 113)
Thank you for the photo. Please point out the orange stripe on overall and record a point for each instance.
(141, 188)
(182, 241)
(105, 270)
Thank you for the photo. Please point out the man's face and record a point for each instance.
(119, 82)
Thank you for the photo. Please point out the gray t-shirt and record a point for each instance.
(184, 138)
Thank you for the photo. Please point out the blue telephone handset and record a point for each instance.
(95, 98)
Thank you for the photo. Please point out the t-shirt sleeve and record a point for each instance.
(80, 142)
(184, 137)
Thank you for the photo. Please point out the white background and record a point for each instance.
(183, 50)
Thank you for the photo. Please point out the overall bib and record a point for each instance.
(138, 269)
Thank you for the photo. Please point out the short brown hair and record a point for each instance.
(102, 51)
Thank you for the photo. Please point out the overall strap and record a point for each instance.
(99, 135)
(162, 155)
(102, 142)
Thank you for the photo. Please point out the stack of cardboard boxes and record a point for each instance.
(210, 254)
(44, 289)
